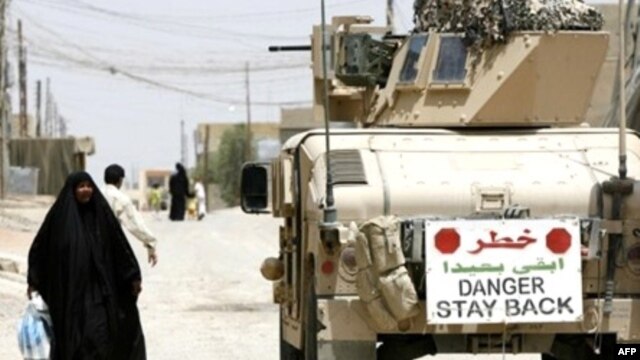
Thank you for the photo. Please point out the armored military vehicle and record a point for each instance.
(470, 209)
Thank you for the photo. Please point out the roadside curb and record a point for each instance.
(13, 264)
(14, 277)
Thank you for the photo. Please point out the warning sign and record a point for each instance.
(495, 271)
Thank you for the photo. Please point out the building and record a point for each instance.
(55, 158)
(297, 120)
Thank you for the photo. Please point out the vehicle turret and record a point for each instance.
(531, 74)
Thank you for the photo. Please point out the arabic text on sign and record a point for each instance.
(504, 242)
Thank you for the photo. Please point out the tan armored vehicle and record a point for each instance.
(474, 212)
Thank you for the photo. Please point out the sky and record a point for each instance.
(127, 72)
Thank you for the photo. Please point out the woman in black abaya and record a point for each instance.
(179, 190)
(83, 267)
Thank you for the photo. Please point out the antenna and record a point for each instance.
(620, 187)
(390, 15)
(183, 145)
(622, 168)
(329, 234)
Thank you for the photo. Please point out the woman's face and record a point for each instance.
(83, 192)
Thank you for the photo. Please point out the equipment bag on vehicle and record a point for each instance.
(382, 281)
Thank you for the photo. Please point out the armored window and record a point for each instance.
(409, 71)
(452, 59)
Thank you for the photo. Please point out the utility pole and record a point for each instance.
(248, 135)
(183, 145)
(55, 125)
(205, 177)
(22, 74)
(38, 108)
(4, 149)
(197, 147)
(63, 127)
(205, 155)
(47, 111)
(390, 15)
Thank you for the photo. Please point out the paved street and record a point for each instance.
(205, 299)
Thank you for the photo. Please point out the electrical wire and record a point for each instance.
(276, 15)
(63, 53)
(211, 67)
(95, 63)
(169, 26)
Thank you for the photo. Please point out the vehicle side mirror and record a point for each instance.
(254, 188)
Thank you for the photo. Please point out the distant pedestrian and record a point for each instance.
(82, 265)
(179, 189)
(126, 213)
(201, 197)
(155, 198)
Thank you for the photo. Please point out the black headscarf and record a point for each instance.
(83, 266)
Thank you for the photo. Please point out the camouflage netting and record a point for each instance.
(485, 22)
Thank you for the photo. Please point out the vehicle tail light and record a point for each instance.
(327, 267)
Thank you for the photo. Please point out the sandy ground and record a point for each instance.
(205, 299)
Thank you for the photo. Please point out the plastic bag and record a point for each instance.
(35, 333)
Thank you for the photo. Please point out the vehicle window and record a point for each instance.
(452, 58)
(409, 71)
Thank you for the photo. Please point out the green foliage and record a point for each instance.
(227, 163)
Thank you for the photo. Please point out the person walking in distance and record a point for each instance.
(82, 265)
(155, 198)
(201, 198)
(125, 211)
(179, 189)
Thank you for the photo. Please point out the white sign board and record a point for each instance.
(503, 271)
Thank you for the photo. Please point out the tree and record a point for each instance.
(227, 164)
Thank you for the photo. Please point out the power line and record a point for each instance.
(198, 69)
(277, 14)
(49, 54)
(177, 89)
(193, 69)
(205, 96)
(166, 26)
